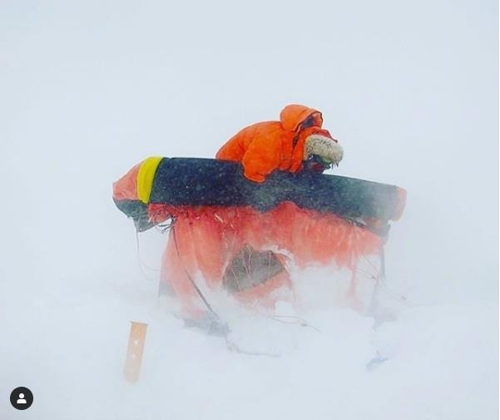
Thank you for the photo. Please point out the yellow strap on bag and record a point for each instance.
(146, 176)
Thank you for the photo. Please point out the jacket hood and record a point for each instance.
(292, 115)
(322, 144)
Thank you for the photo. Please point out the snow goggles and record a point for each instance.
(317, 163)
(319, 159)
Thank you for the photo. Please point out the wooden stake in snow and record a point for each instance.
(134, 352)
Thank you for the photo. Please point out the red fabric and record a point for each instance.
(325, 133)
(205, 239)
(126, 187)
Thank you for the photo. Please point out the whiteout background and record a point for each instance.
(89, 89)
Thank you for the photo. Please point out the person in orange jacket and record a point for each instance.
(296, 142)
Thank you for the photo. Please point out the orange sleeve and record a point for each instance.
(234, 149)
(231, 150)
(257, 147)
(261, 157)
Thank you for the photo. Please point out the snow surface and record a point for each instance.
(441, 362)
(88, 89)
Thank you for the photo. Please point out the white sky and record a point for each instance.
(90, 88)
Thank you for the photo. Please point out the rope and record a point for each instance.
(198, 291)
(139, 259)
(297, 320)
(234, 347)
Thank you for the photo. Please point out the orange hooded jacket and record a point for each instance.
(266, 146)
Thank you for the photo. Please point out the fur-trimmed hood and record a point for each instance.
(322, 144)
